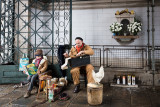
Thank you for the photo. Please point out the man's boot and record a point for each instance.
(27, 94)
(77, 88)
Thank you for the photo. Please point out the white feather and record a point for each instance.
(99, 75)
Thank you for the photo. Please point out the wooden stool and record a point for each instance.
(43, 78)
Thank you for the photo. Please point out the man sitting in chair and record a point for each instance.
(80, 49)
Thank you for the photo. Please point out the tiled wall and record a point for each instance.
(93, 25)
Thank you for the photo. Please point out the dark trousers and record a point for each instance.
(33, 81)
(61, 59)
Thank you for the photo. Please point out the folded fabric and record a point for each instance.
(64, 66)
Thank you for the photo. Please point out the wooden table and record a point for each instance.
(43, 78)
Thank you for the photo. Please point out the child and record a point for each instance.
(41, 63)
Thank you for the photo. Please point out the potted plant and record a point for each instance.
(134, 28)
(116, 28)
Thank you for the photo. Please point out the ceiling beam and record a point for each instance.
(97, 4)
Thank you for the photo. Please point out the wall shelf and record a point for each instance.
(125, 39)
(130, 37)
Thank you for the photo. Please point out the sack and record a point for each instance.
(23, 62)
(31, 69)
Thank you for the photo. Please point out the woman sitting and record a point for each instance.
(41, 63)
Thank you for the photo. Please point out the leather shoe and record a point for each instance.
(77, 88)
(27, 94)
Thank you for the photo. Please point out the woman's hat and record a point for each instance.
(39, 52)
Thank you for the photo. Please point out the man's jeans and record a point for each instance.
(32, 79)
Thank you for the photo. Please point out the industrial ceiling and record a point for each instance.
(94, 4)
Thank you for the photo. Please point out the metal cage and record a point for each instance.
(28, 25)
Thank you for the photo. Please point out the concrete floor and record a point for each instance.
(113, 97)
